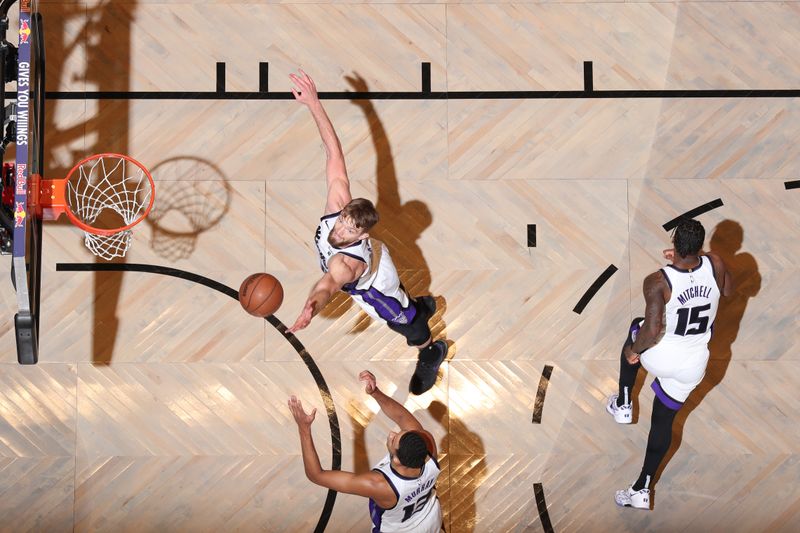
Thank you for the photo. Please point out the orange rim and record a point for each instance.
(56, 200)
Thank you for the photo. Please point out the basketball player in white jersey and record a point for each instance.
(353, 262)
(686, 293)
(402, 487)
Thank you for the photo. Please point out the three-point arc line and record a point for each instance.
(538, 404)
(324, 391)
(541, 505)
(538, 490)
(592, 290)
(697, 211)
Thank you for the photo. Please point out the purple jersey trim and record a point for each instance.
(664, 272)
(688, 270)
(664, 397)
(398, 474)
(394, 489)
(376, 514)
(435, 461)
(714, 273)
(325, 217)
(354, 256)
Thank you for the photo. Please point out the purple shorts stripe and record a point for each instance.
(664, 397)
(386, 307)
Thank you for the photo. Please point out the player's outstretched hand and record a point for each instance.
(370, 383)
(304, 90)
(304, 319)
(302, 418)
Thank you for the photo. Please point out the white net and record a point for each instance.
(109, 192)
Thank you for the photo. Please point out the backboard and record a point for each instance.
(27, 232)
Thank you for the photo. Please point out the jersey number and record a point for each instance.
(691, 315)
(417, 506)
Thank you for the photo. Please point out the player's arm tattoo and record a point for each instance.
(655, 303)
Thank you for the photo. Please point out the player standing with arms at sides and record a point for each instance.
(402, 487)
(353, 262)
(687, 293)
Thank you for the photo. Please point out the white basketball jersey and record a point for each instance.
(417, 509)
(692, 307)
(378, 290)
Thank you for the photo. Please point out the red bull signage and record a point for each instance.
(24, 32)
(23, 127)
(19, 216)
(22, 179)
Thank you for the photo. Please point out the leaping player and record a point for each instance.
(359, 265)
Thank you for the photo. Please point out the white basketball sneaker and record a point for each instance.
(638, 499)
(622, 414)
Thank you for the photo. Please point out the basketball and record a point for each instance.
(261, 294)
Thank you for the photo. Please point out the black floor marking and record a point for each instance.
(424, 93)
(538, 404)
(263, 77)
(591, 291)
(426, 78)
(588, 76)
(792, 184)
(697, 211)
(419, 95)
(544, 516)
(324, 391)
(220, 77)
(531, 235)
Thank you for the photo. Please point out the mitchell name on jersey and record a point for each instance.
(695, 291)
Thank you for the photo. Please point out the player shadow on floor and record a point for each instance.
(466, 470)
(359, 421)
(726, 241)
(400, 227)
(65, 146)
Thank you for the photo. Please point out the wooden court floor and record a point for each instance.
(159, 405)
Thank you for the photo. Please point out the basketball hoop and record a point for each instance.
(97, 186)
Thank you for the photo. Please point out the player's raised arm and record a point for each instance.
(394, 410)
(342, 270)
(370, 484)
(338, 183)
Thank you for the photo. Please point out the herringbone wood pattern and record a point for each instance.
(158, 405)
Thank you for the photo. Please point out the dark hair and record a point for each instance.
(412, 450)
(688, 237)
(361, 212)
